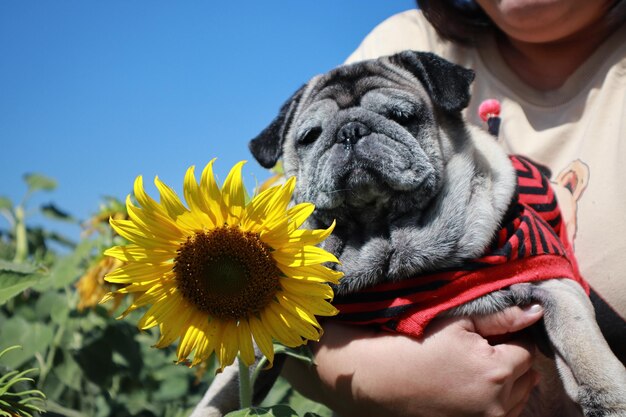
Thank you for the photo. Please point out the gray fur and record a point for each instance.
(381, 147)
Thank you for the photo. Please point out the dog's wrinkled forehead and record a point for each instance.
(347, 85)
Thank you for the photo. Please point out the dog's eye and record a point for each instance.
(310, 136)
(401, 117)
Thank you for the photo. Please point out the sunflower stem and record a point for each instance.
(245, 388)
(257, 370)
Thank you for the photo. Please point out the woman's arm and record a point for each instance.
(452, 371)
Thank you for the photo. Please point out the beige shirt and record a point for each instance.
(578, 131)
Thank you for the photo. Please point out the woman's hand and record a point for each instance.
(452, 371)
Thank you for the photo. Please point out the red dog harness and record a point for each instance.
(531, 246)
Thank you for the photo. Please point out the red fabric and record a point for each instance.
(531, 246)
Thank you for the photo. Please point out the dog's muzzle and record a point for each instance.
(350, 133)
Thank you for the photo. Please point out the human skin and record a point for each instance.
(545, 41)
(453, 368)
(361, 372)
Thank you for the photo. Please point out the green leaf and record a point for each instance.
(302, 353)
(15, 278)
(39, 182)
(69, 372)
(275, 411)
(33, 337)
(69, 268)
(19, 267)
(55, 213)
(54, 407)
(5, 203)
(174, 383)
(52, 304)
(60, 239)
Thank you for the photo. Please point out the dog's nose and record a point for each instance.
(351, 132)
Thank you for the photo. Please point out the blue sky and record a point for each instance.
(94, 93)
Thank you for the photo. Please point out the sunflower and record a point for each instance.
(91, 286)
(220, 272)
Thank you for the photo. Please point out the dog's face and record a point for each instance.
(365, 140)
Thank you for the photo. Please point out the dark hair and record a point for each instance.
(462, 21)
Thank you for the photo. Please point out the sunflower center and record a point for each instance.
(226, 273)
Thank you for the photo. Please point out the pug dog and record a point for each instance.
(382, 147)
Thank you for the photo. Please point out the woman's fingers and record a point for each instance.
(509, 320)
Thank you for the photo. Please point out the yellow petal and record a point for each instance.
(196, 202)
(305, 256)
(138, 272)
(281, 332)
(212, 195)
(234, 194)
(153, 223)
(189, 341)
(172, 324)
(296, 216)
(245, 343)
(297, 238)
(298, 310)
(295, 324)
(228, 347)
(128, 230)
(317, 306)
(169, 199)
(158, 312)
(268, 206)
(144, 199)
(315, 273)
(136, 253)
(314, 289)
(262, 337)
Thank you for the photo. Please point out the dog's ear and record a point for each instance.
(267, 147)
(446, 83)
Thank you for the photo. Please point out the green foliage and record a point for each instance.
(16, 399)
(89, 363)
(38, 182)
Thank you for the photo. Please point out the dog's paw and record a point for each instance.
(412, 253)
(364, 266)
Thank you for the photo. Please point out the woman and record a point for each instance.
(558, 67)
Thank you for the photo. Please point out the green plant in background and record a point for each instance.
(89, 363)
(14, 402)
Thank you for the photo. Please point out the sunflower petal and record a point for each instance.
(245, 343)
(262, 337)
(128, 230)
(153, 223)
(299, 311)
(268, 206)
(315, 273)
(234, 194)
(144, 200)
(305, 256)
(202, 214)
(169, 199)
(228, 347)
(136, 253)
(212, 195)
(282, 332)
(314, 289)
(293, 322)
(317, 306)
(138, 272)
